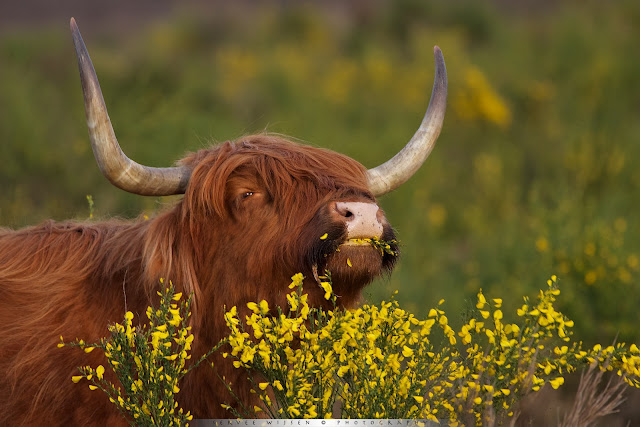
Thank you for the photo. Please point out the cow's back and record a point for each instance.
(52, 284)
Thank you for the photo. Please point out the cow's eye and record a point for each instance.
(247, 194)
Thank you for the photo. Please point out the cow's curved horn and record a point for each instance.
(396, 171)
(123, 172)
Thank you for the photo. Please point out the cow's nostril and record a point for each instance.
(343, 210)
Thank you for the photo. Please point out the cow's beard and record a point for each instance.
(352, 266)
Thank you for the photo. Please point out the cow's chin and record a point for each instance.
(352, 268)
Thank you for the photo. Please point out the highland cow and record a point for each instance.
(252, 215)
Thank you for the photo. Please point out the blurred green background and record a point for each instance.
(533, 174)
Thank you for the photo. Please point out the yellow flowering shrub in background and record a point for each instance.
(148, 361)
(477, 100)
(379, 361)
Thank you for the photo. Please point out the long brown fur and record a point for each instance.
(74, 278)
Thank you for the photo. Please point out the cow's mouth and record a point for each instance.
(352, 261)
(357, 261)
(370, 254)
(384, 247)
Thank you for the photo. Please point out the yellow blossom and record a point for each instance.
(327, 289)
(296, 280)
(406, 351)
(557, 382)
(481, 300)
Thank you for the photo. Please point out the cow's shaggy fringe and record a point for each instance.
(74, 278)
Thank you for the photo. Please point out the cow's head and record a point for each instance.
(297, 208)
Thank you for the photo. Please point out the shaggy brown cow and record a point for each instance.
(252, 215)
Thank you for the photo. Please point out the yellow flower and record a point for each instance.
(294, 411)
(232, 316)
(327, 289)
(481, 300)
(296, 280)
(555, 383)
(522, 311)
(343, 370)
(311, 412)
(542, 244)
(324, 236)
(406, 351)
(264, 307)
(77, 378)
(293, 301)
(176, 318)
(100, 371)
